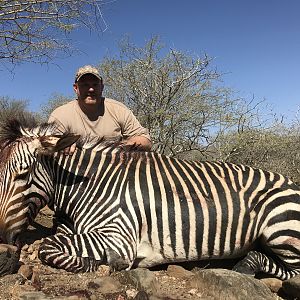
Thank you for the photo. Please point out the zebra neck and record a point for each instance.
(89, 179)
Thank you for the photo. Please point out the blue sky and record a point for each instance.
(256, 44)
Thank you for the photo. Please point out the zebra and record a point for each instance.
(128, 208)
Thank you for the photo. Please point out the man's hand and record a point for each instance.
(140, 142)
(70, 150)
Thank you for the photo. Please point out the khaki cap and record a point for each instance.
(87, 70)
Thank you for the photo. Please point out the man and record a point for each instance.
(94, 115)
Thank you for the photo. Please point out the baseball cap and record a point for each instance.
(87, 70)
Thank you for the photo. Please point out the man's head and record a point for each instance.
(88, 85)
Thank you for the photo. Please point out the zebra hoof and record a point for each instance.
(118, 265)
(243, 268)
(115, 261)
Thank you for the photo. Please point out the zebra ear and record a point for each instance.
(66, 141)
(52, 144)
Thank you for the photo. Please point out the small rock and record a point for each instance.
(9, 259)
(22, 258)
(103, 270)
(274, 284)
(106, 285)
(193, 291)
(143, 279)
(26, 271)
(131, 293)
(226, 284)
(178, 272)
(33, 255)
(25, 247)
(30, 248)
(292, 286)
(36, 244)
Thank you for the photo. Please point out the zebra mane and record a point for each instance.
(13, 129)
(87, 142)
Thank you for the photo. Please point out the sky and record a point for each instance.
(255, 45)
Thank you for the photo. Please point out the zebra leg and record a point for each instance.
(82, 252)
(256, 262)
(62, 229)
(62, 224)
(253, 263)
(62, 251)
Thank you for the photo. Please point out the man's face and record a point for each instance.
(89, 89)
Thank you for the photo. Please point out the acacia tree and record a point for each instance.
(173, 94)
(31, 30)
(12, 108)
(274, 149)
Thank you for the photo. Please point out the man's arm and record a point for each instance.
(133, 132)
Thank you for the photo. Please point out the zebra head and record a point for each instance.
(22, 148)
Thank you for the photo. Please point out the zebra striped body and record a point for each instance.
(128, 208)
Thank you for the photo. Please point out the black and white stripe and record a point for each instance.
(156, 209)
